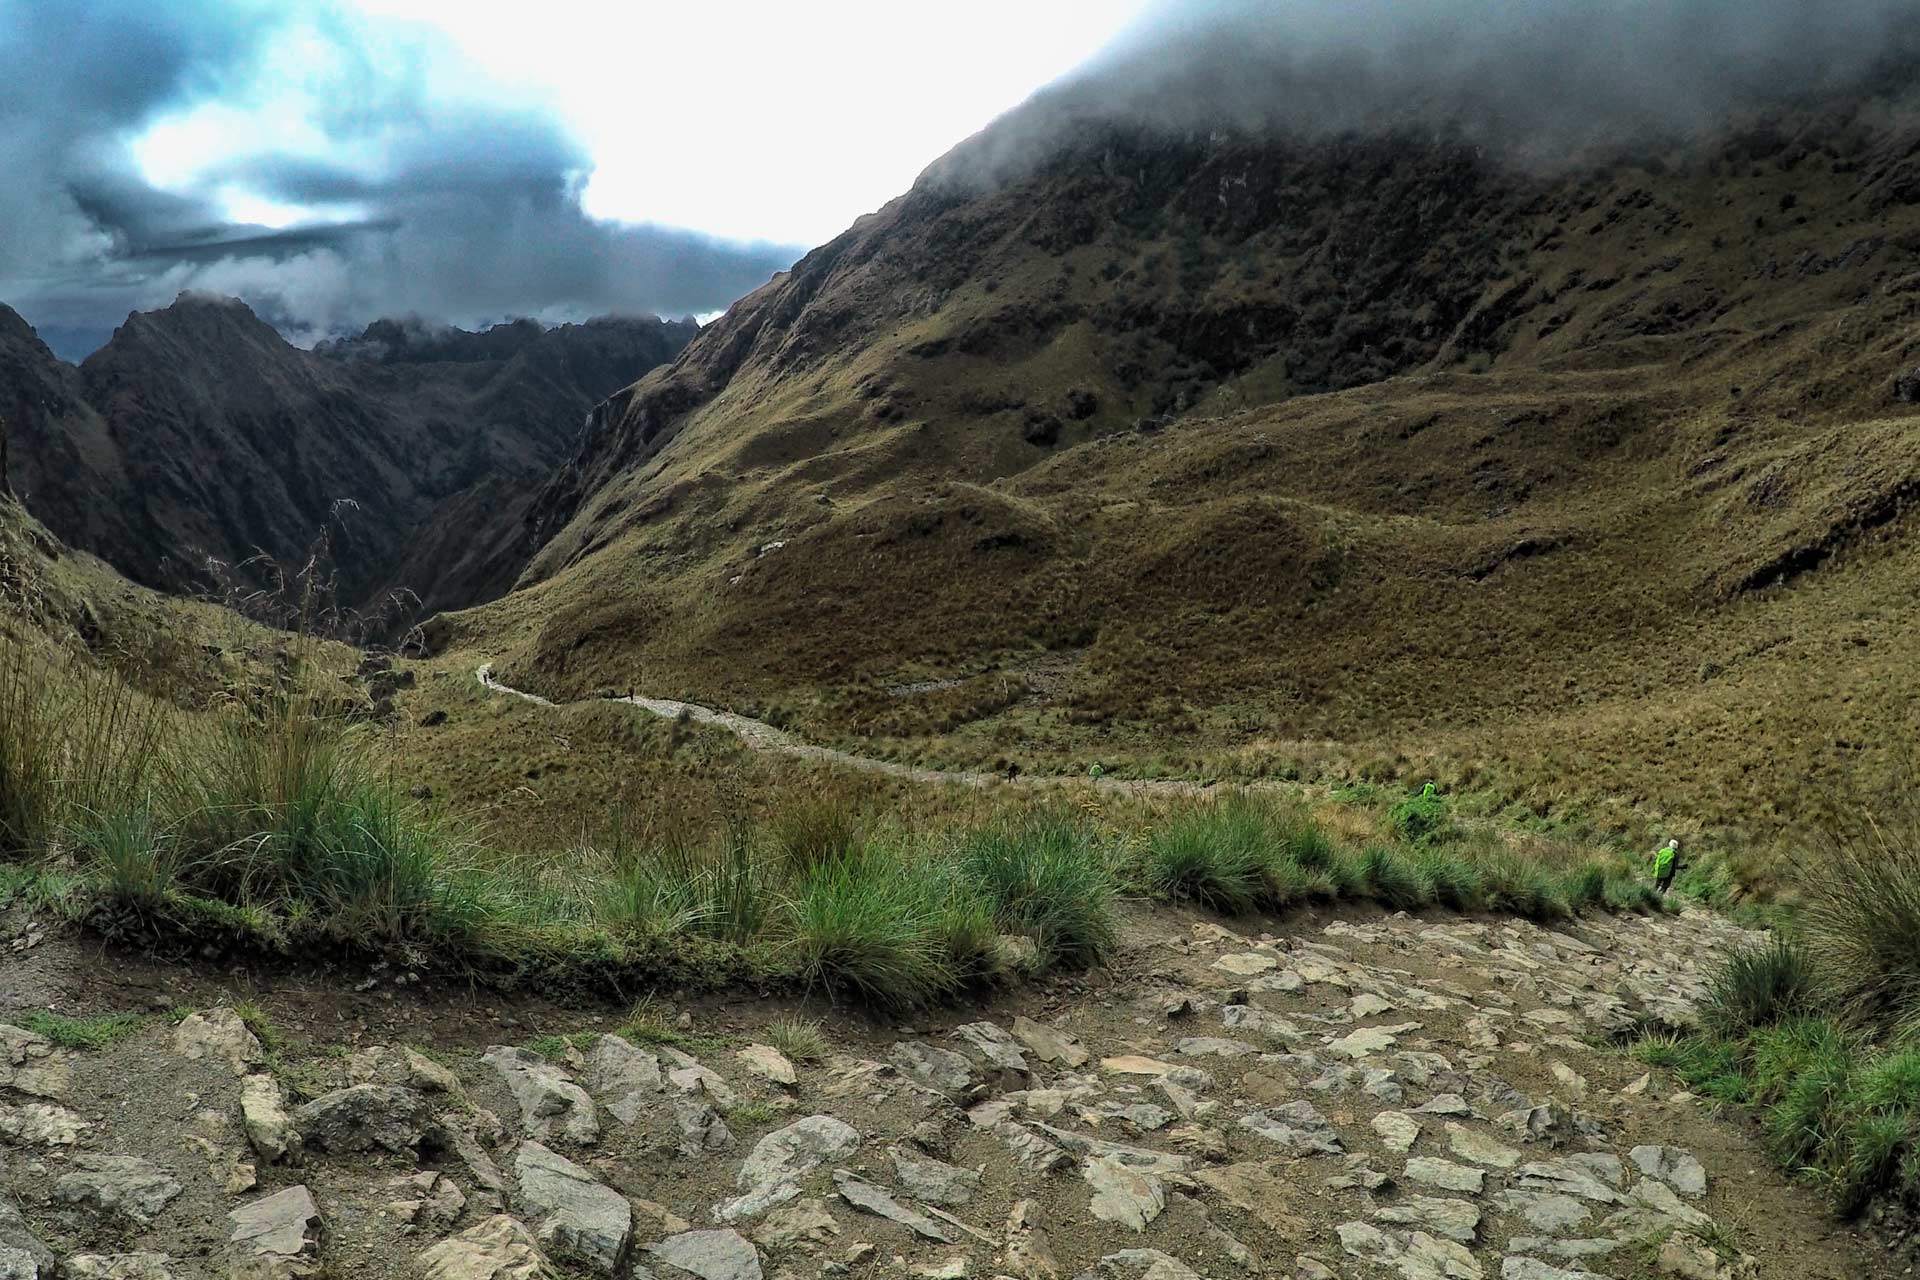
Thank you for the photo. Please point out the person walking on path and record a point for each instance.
(1096, 773)
(1666, 861)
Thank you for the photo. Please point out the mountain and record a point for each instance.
(198, 431)
(1372, 452)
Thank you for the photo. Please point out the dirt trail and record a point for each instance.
(761, 736)
(1369, 1097)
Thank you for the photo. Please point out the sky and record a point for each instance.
(335, 161)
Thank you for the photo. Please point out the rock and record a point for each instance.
(1652, 1206)
(1368, 1005)
(710, 1255)
(22, 1253)
(1677, 1168)
(1429, 1259)
(496, 1248)
(1000, 1050)
(551, 1105)
(933, 1181)
(461, 1134)
(1133, 1065)
(580, 1218)
(868, 1198)
(1029, 1249)
(629, 1075)
(1430, 1171)
(1146, 1264)
(1370, 1040)
(117, 1266)
(117, 1187)
(1469, 1145)
(219, 1035)
(1298, 1127)
(689, 1077)
(805, 1222)
(1122, 1195)
(770, 1174)
(1549, 1122)
(426, 1200)
(29, 1065)
(1446, 1104)
(424, 1073)
(1245, 964)
(1033, 1152)
(277, 1235)
(1533, 1269)
(941, 1070)
(769, 1064)
(1211, 1047)
(1590, 1177)
(41, 1124)
(1397, 1130)
(263, 1113)
(1453, 1219)
(702, 1131)
(1545, 1211)
(1572, 1081)
(1691, 1258)
(951, 1269)
(1133, 1157)
(1256, 1189)
(1049, 1044)
(1358, 1175)
(364, 1117)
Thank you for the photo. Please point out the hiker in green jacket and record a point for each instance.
(1096, 773)
(1666, 861)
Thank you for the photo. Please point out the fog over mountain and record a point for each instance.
(457, 206)
(1539, 80)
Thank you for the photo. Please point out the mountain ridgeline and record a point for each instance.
(199, 434)
(1281, 449)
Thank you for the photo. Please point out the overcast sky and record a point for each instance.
(333, 161)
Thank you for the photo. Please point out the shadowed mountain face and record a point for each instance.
(198, 432)
(1220, 443)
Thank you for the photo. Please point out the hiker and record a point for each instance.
(1096, 773)
(1013, 771)
(1429, 793)
(1666, 861)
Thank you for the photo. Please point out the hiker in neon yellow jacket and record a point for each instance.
(1666, 861)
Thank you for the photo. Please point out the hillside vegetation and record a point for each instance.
(1232, 456)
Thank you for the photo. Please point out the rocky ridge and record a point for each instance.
(1432, 1100)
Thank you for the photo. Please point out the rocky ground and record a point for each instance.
(1366, 1096)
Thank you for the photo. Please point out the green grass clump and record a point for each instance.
(1760, 986)
(1523, 887)
(1216, 856)
(102, 1031)
(1046, 879)
(800, 1039)
(1456, 883)
(1423, 818)
(1394, 879)
(862, 928)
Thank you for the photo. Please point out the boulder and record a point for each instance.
(22, 1253)
(364, 1117)
(1049, 1044)
(551, 1105)
(117, 1187)
(580, 1218)
(276, 1237)
(30, 1065)
(769, 1064)
(496, 1248)
(219, 1035)
(708, 1255)
(771, 1173)
(263, 1113)
(41, 1124)
(940, 1070)
(933, 1181)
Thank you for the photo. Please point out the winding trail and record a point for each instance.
(761, 736)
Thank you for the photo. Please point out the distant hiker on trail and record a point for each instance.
(1013, 771)
(1666, 860)
(1096, 773)
(1429, 793)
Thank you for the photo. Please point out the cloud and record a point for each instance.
(142, 143)
(1540, 81)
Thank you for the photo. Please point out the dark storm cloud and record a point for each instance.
(1540, 80)
(474, 212)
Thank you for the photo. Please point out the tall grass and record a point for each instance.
(1045, 879)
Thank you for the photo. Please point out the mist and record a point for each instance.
(462, 207)
(1540, 82)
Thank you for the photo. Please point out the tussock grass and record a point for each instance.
(101, 1032)
(802, 1040)
(1761, 986)
(1046, 879)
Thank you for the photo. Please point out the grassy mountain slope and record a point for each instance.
(1231, 451)
(198, 431)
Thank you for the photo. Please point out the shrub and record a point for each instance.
(801, 1040)
(1215, 859)
(1455, 882)
(1863, 918)
(1394, 879)
(822, 827)
(864, 927)
(1046, 879)
(1808, 1118)
(1424, 818)
(130, 863)
(1523, 887)
(1760, 986)
(1872, 1147)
